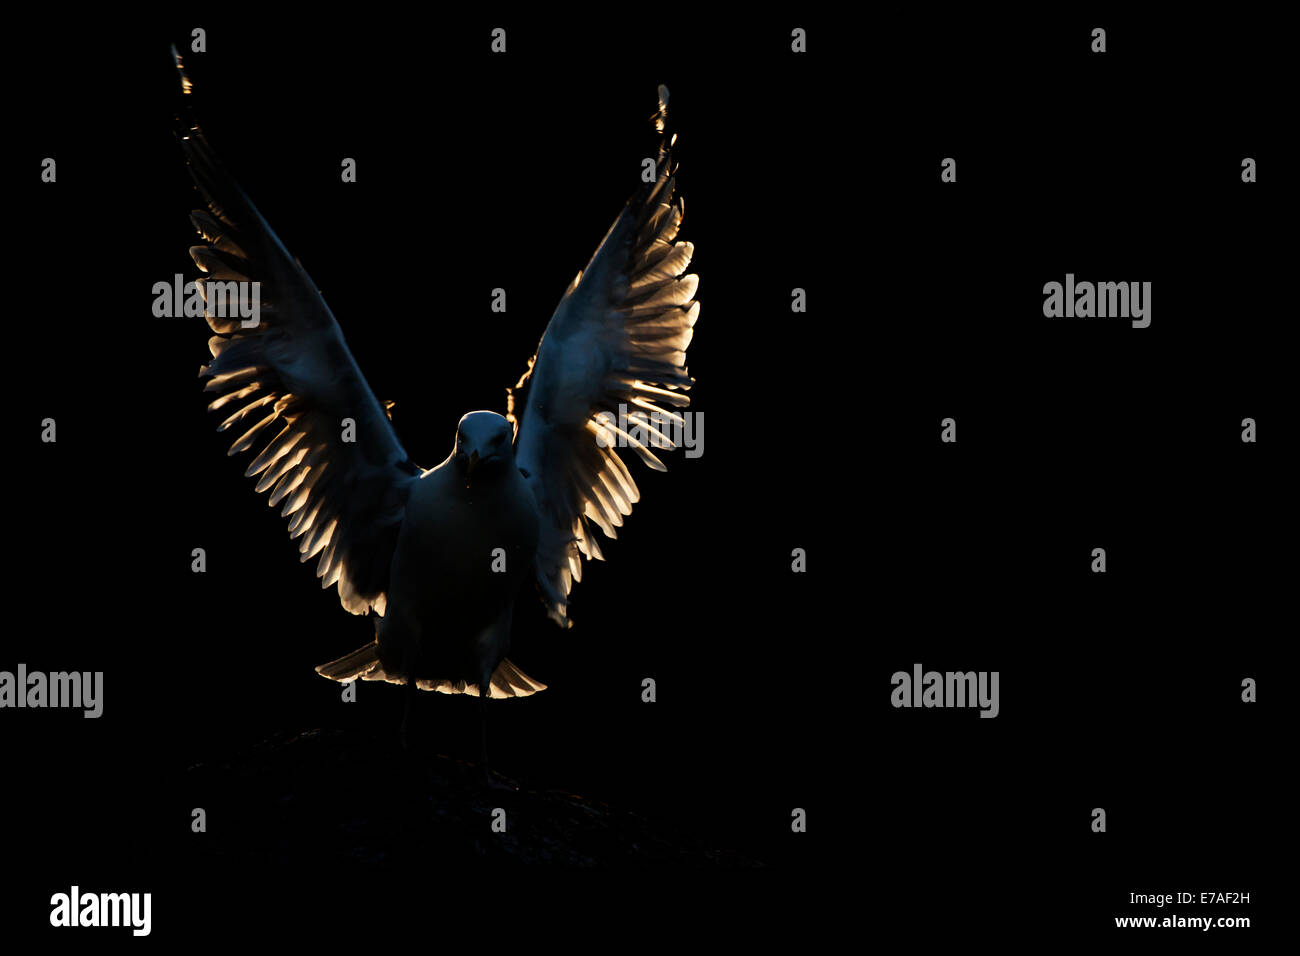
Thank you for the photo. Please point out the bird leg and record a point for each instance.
(488, 779)
(407, 732)
(412, 691)
(482, 741)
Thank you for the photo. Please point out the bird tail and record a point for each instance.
(507, 681)
(361, 664)
(364, 664)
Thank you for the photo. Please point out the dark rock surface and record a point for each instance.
(339, 797)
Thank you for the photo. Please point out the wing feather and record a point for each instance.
(617, 342)
(294, 377)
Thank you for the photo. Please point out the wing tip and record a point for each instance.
(187, 85)
(660, 116)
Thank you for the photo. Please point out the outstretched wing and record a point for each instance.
(616, 343)
(288, 385)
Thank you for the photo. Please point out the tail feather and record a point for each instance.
(364, 664)
(512, 682)
(507, 681)
(361, 664)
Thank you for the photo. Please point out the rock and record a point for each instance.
(333, 796)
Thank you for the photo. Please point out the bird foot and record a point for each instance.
(489, 780)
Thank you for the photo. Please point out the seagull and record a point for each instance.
(438, 556)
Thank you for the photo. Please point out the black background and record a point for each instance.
(818, 171)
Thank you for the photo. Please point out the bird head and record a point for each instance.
(484, 446)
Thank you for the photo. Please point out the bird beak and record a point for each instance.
(469, 468)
